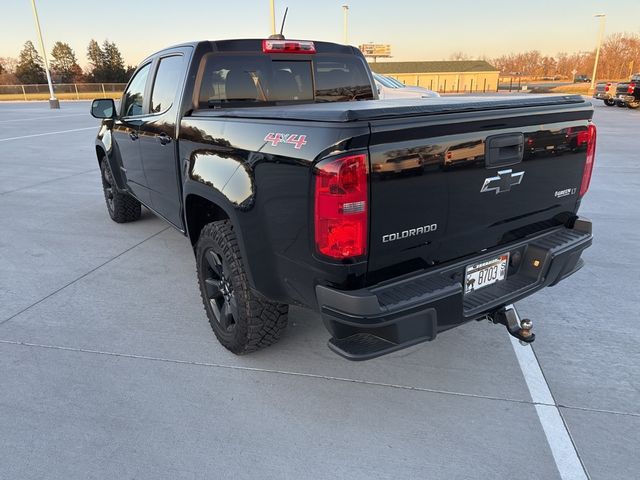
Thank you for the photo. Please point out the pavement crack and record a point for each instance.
(269, 371)
(81, 277)
(47, 181)
(311, 375)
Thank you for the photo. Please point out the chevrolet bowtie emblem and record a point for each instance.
(502, 182)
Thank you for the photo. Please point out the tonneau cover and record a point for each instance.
(387, 109)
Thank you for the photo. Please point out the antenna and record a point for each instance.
(280, 36)
(284, 19)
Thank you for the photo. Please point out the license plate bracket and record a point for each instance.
(483, 274)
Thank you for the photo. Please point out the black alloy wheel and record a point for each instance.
(219, 290)
(107, 186)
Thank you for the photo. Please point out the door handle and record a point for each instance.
(133, 135)
(503, 150)
(164, 139)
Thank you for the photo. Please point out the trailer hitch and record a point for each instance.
(520, 329)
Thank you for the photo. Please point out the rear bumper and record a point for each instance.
(604, 96)
(402, 312)
(626, 98)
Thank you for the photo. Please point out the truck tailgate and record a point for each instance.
(448, 185)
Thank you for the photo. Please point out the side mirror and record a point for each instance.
(103, 108)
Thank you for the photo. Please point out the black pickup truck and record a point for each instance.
(395, 220)
(628, 93)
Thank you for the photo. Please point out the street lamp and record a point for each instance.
(345, 10)
(53, 101)
(602, 18)
(273, 17)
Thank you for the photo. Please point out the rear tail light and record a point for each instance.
(631, 88)
(341, 197)
(288, 46)
(591, 154)
(607, 86)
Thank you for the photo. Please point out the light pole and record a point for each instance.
(345, 10)
(602, 17)
(53, 101)
(273, 16)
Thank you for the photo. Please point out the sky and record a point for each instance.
(416, 30)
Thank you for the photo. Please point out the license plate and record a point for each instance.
(486, 273)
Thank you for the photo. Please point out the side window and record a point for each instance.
(133, 98)
(165, 83)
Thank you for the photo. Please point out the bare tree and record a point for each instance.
(7, 77)
(619, 56)
(457, 56)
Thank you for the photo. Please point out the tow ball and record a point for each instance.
(520, 329)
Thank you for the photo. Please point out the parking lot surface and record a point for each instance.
(108, 367)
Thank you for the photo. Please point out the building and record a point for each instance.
(443, 76)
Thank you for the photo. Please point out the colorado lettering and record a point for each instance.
(412, 232)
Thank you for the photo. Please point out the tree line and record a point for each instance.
(619, 58)
(106, 65)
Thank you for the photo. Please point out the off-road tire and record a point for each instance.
(621, 104)
(121, 206)
(610, 102)
(257, 321)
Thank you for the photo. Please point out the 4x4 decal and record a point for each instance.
(298, 141)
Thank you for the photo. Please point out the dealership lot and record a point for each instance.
(108, 367)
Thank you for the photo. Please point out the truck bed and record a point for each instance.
(428, 162)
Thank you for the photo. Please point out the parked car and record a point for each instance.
(266, 154)
(606, 91)
(628, 93)
(581, 79)
(389, 87)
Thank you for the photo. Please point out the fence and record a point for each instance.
(451, 82)
(63, 91)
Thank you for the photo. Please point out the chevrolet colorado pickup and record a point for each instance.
(395, 220)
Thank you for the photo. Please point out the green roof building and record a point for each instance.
(443, 76)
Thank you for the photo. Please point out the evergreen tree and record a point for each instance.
(113, 63)
(30, 65)
(95, 55)
(64, 63)
(129, 72)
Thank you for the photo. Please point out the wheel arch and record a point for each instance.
(199, 211)
(202, 207)
(102, 155)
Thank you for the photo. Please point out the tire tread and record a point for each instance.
(125, 207)
(262, 321)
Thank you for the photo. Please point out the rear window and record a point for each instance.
(252, 80)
